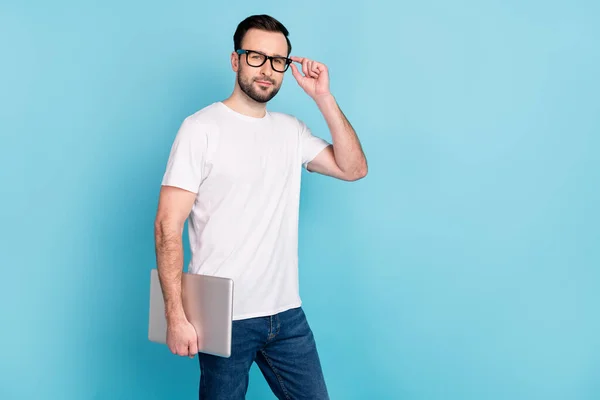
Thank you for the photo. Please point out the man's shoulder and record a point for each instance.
(285, 118)
(205, 115)
(199, 124)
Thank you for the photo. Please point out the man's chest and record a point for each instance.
(256, 155)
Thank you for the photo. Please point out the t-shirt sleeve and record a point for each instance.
(311, 145)
(185, 166)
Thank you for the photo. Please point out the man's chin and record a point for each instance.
(260, 96)
(262, 99)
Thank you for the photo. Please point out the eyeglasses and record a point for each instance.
(257, 59)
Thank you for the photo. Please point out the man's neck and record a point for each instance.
(244, 105)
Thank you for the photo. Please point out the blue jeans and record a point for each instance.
(283, 347)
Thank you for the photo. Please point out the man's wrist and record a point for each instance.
(175, 315)
(325, 101)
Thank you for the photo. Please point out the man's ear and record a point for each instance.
(235, 61)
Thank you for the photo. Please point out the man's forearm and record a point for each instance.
(347, 150)
(169, 259)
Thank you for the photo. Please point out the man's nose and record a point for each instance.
(267, 69)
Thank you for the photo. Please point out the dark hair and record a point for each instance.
(262, 22)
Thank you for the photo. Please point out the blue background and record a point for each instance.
(465, 266)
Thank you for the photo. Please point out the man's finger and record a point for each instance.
(314, 72)
(309, 65)
(193, 348)
(305, 67)
(297, 59)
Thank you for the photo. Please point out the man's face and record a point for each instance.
(260, 83)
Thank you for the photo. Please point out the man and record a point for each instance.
(234, 169)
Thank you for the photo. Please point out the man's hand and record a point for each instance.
(182, 338)
(315, 81)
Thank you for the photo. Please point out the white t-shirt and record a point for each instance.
(243, 225)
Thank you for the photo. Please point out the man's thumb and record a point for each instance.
(296, 73)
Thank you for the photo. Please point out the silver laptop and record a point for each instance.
(208, 305)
